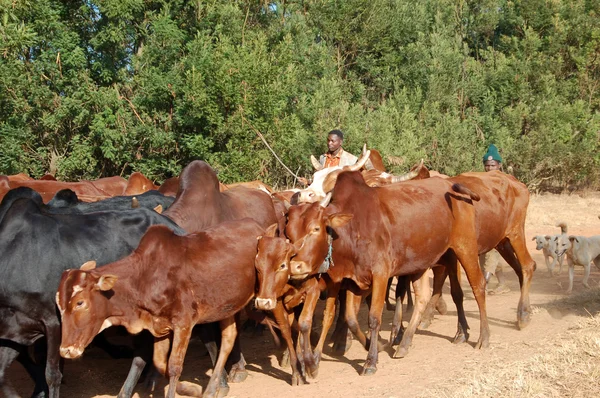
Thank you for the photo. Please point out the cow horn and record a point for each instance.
(135, 203)
(361, 162)
(364, 149)
(318, 166)
(408, 176)
(325, 201)
(88, 265)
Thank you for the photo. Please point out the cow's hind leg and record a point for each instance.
(237, 372)
(514, 251)
(209, 334)
(469, 260)
(228, 335)
(422, 296)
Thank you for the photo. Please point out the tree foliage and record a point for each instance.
(92, 88)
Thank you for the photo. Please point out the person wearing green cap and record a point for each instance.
(491, 262)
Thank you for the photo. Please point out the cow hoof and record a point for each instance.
(312, 371)
(524, 321)
(425, 323)
(297, 379)
(237, 375)
(401, 352)
(460, 338)
(220, 393)
(342, 347)
(368, 370)
(189, 389)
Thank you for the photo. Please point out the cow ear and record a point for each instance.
(106, 282)
(88, 266)
(339, 219)
(158, 209)
(271, 231)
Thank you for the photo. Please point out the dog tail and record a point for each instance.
(563, 227)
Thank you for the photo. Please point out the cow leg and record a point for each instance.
(439, 277)
(469, 260)
(53, 373)
(328, 315)
(7, 356)
(181, 339)
(209, 338)
(286, 333)
(514, 251)
(305, 325)
(237, 371)
(397, 331)
(451, 269)
(375, 313)
(422, 296)
(228, 335)
(388, 304)
(35, 371)
(143, 350)
(342, 337)
(352, 306)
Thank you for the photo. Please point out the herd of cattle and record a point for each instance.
(196, 252)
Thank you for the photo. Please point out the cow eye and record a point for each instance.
(282, 266)
(80, 303)
(317, 229)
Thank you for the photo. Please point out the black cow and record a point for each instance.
(67, 199)
(37, 246)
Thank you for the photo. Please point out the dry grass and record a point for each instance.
(568, 366)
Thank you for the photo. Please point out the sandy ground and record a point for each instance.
(432, 358)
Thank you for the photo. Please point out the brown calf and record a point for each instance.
(167, 285)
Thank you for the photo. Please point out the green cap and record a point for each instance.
(492, 154)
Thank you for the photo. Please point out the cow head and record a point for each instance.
(324, 180)
(273, 268)
(310, 228)
(82, 299)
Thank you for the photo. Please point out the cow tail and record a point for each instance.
(465, 191)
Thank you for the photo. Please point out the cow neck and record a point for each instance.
(328, 262)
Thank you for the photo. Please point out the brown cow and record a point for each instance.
(138, 184)
(500, 223)
(85, 190)
(112, 186)
(200, 204)
(272, 265)
(400, 229)
(166, 286)
(169, 187)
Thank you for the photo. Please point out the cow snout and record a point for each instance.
(299, 269)
(264, 304)
(70, 352)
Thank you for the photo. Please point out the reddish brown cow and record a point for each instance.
(272, 265)
(400, 229)
(138, 184)
(19, 177)
(85, 190)
(167, 285)
(200, 204)
(169, 187)
(111, 186)
(500, 224)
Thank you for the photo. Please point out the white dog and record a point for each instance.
(547, 244)
(580, 250)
